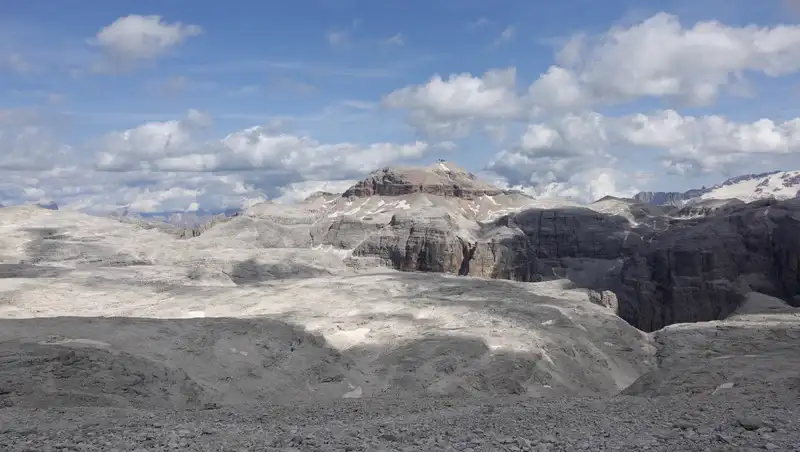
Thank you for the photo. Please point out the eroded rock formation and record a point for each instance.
(661, 267)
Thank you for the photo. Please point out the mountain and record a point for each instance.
(747, 188)
(443, 179)
(447, 304)
(441, 219)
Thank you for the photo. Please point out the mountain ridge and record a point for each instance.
(747, 187)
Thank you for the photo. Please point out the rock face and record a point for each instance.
(442, 179)
(708, 207)
(700, 269)
(667, 198)
(653, 265)
(695, 270)
(531, 245)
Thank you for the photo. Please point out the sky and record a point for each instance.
(167, 106)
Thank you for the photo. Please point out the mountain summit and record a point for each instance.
(442, 178)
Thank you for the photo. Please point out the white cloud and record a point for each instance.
(258, 149)
(171, 146)
(554, 152)
(160, 166)
(135, 38)
(570, 150)
(708, 143)
(583, 187)
(660, 57)
(137, 148)
(298, 191)
(657, 58)
(145, 192)
(449, 107)
(560, 151)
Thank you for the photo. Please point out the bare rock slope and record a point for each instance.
(664, 265)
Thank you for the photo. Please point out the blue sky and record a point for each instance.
(353, 76)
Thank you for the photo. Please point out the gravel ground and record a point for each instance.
(733, 421)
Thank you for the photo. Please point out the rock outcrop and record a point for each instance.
(700, 269)
(441, 179)
(695, 270)
(653, 265)
(708, 207)
(666, 198)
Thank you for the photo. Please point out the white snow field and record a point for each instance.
(779, 185)
(116, 337)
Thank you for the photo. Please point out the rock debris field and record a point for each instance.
(115, 336)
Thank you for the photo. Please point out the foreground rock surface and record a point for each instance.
(745, 423)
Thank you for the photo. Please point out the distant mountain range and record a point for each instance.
(747, 188)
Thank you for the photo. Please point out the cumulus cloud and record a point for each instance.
(554, 152)
(171, 146)
(137, 148)
(298, 191)
(81, 188)
(257, 161)
(555, 140)
(657, 58)
(258, 149)
(662, 58)
(135, 38)
(563, 151)
(708, 143)
(167, 165)
(450, 106)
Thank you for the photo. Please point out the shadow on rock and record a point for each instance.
(55, 245)
(251, 271)
(206, 362)
(31, 271)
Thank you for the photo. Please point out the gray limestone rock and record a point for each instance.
(662, 265)
(683, 270)
(443, 179)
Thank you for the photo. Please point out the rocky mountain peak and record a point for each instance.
(442, 179)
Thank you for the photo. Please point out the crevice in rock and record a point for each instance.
(468, 252)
